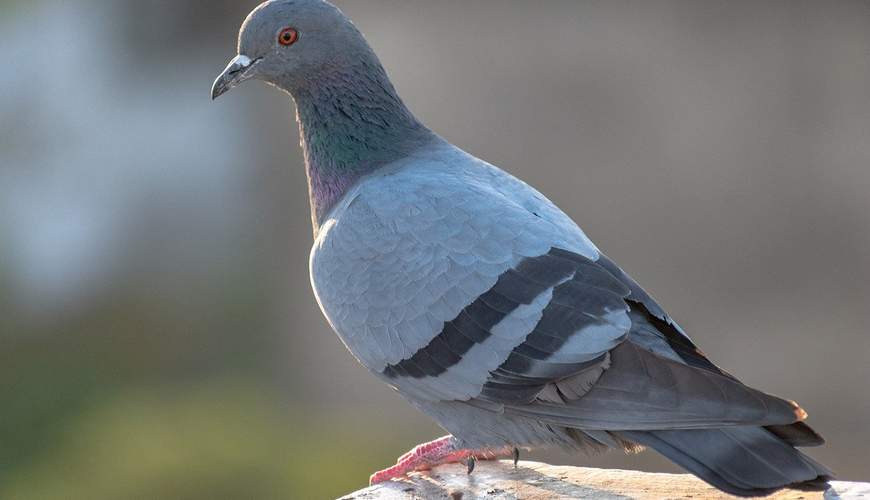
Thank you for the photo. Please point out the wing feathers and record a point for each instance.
(585, 318)
(643, 391)
(575, 368)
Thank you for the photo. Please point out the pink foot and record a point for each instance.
(440, 451)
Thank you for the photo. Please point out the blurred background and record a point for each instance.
(158, 335)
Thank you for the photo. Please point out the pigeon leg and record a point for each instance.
(440, 451)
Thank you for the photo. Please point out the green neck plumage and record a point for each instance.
(351, 123)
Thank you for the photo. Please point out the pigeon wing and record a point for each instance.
(465, 284)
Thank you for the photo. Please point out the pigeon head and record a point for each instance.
(291, 43)
(351, 121)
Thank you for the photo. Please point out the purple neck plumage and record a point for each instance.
(351, 123)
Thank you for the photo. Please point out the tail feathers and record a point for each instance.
(797, 434)
(744, 461)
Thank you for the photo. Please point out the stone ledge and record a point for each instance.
(536, 481)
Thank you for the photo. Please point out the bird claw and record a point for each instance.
(516, 456)
(440, 451)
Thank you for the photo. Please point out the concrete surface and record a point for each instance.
(499, 480)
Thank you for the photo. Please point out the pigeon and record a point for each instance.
(482, 303)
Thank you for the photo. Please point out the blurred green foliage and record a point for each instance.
(145, 396)
(223, 438)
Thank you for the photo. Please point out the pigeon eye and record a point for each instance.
(288, 36)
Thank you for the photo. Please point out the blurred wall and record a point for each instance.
(158, 336)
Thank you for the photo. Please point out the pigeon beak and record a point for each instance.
(238, 70)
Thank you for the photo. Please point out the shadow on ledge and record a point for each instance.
(537, 481)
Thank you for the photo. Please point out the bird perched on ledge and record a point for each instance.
(482, 303)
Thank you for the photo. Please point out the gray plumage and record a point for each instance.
(481, 302)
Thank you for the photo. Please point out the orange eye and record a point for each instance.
(287, 36)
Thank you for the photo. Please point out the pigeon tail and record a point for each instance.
(746, 461)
